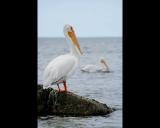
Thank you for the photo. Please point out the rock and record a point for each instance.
(50, 102)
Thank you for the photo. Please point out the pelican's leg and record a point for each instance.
(65, 85)
(58, 88)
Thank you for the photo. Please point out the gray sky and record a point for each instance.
(90, 18)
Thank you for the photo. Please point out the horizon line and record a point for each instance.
(84, 37)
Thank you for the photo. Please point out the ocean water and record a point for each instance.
(103, 87)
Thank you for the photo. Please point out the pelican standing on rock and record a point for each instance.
(63, 66)
(103, 67)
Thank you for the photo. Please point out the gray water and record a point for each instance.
(103, 87)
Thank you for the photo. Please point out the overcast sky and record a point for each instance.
(90, 18)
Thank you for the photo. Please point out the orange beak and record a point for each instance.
(72, 35)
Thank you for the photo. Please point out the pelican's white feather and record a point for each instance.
(90, 68)
(103, 67)
(63, 66)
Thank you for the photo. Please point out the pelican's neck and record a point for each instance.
(73, 50)
(104, 67)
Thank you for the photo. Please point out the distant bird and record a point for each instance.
(103, 67)
(63, 66)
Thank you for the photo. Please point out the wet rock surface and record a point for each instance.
(51, 102)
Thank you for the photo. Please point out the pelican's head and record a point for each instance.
(102, 60)
(69, 33)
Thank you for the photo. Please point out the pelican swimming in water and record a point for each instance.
(103, 67)
(63, 66)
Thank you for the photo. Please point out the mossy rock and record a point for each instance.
(50, 102)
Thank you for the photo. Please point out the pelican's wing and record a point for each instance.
(89, 68)
(59, 68)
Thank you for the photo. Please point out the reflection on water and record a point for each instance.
(104, 87)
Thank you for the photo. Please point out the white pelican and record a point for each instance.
(63, 66)
(103, 67)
